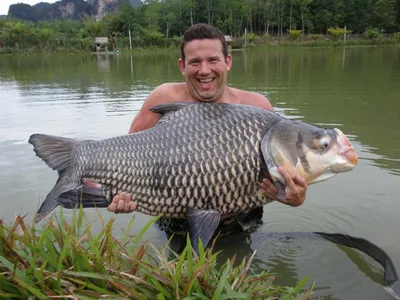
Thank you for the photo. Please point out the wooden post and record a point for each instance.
(130, 40)
(345, 31)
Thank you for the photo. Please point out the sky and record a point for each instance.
(5, 4)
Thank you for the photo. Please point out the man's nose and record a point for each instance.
(204, 68)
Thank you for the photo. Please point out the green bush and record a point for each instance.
(250, 37)
(315, 37)
(294, 34)
(337, 32)
(372, 33)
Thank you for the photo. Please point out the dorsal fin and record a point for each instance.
(166, 108)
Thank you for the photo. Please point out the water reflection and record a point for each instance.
(103, 62)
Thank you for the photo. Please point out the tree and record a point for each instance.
(113, 23)
(383, 15)
(170, 18)
(210, 7)
(3, 24)
(152, 13)
(94, 28)
(44, 36)
(321, 15)
(357, 14)
(17, 32)
(303, 7)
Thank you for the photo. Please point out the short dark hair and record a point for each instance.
(203, 31)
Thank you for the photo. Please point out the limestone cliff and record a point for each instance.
(102, 7)
(70, 9)
(67, 9)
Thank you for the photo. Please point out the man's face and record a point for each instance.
(205, 69)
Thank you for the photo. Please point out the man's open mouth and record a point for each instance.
(205, 81)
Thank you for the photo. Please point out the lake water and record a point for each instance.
(354, 89)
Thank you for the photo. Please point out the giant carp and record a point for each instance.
(202, 162)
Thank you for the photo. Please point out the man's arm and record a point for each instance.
(146, 119)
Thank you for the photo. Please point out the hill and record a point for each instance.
(66, 9)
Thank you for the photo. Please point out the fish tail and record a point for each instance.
(56, 153)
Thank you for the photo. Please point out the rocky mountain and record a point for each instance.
(67, 9)
(102, 7)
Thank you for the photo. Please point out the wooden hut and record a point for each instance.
(101, 44)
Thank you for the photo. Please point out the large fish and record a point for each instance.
(202, 162)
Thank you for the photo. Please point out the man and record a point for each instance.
(205, 63)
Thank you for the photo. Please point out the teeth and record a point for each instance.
(205, 80)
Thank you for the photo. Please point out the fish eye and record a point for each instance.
(324, 143)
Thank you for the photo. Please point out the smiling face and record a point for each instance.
(205, 69)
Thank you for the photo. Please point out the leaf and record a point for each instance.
(235, 295)
(145, 228)
(222, 281)
(160, 297)
(300, 285)
(163, 291)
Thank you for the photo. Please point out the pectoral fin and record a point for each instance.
(202, 224)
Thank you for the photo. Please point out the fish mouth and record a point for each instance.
(347, 151)
(350, 155)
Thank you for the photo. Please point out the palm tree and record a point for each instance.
(44, 35)
(17, 32)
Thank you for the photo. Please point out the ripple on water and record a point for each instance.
(336, 270)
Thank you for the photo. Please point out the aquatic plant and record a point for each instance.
(65, 259)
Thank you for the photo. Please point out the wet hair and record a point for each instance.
(203, 31)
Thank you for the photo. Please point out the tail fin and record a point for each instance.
(56, 152)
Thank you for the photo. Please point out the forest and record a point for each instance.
(162, 23)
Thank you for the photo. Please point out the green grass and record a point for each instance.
(64, 259)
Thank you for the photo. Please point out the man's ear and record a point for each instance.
(181, 64)
(228, 62)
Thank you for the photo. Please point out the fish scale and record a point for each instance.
(213, 183)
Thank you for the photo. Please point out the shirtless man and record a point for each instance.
(205, 63)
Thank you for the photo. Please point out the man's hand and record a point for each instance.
(296, 188)
(122, 203)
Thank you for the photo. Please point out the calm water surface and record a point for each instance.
(354, 89)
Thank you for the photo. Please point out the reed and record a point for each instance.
(64, 259)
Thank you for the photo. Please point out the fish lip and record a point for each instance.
(347, 150)
(349, 154)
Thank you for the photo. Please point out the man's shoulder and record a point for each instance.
(171, 87)
(251, 98)
(166, 92)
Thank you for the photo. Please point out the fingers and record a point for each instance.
(269, 189)
(300, 181)
(295, 188)
(122, 203)
(286, 177)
